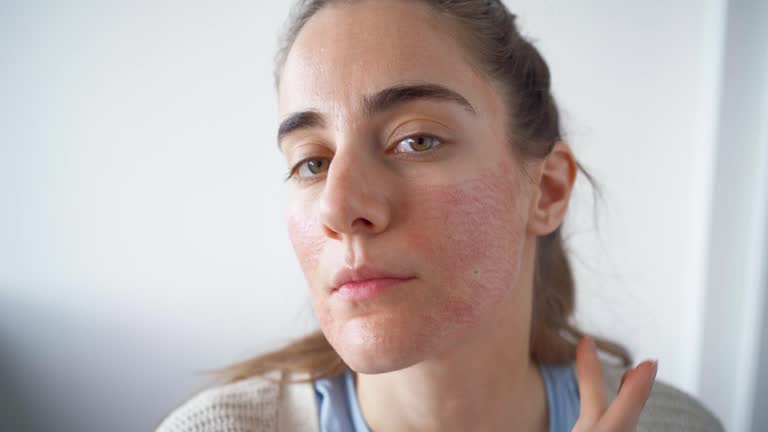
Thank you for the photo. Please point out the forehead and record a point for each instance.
(347, 51)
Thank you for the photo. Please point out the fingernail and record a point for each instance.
(655, 366)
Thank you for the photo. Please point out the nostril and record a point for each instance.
(361, 223)
(330, 233)
(364, 221)
(357, 224)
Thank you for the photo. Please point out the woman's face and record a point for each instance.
(418, 182)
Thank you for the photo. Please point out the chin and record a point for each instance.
(372, 349)
(362, 361)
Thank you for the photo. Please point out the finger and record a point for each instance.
(625, 410)
(592, 392)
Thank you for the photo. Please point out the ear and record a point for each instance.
(552, 192)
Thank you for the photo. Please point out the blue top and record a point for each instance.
(339, 411)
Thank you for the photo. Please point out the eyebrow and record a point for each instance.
(297, 121)
(391, 97)
(381, 101)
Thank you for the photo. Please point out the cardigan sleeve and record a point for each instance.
(249, 405)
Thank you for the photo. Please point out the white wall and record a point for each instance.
(736, 273)
(141, 230)
(760, 385)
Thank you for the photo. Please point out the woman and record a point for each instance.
(428, 184)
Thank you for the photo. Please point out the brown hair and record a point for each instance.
(506, 57)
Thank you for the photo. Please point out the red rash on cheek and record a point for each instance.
(471, 234)
(307, 238)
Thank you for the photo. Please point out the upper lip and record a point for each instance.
(361, 273)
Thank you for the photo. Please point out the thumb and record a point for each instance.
(592, 392)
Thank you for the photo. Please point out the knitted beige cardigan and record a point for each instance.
(260, 405)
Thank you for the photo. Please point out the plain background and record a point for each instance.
(142, 238)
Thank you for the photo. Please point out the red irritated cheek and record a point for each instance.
(470, 235)
(307, 239)
(467, 222)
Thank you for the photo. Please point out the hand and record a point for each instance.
(622, 414)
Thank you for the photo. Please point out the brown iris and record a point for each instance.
(420, 143)
(316, 165)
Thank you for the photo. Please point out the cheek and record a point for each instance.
(471, 236)
(307, 240)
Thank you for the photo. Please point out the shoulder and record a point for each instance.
(668, 408)
(243, 406)
(235, 407)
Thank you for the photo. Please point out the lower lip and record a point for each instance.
(363, 290)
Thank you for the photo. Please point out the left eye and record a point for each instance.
(417, 143)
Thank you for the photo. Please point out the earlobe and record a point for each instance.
(553, 191)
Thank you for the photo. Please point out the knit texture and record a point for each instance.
(260, 405)
(245, 406)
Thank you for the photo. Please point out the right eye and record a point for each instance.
(308, 168)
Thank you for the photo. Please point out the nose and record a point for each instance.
(354, 200)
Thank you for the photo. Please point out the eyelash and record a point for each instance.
(292, 171)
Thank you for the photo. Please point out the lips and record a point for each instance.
(363, 273)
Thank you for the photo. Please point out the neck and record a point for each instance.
(481, 386)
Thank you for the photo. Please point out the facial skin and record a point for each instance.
(461, 218)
